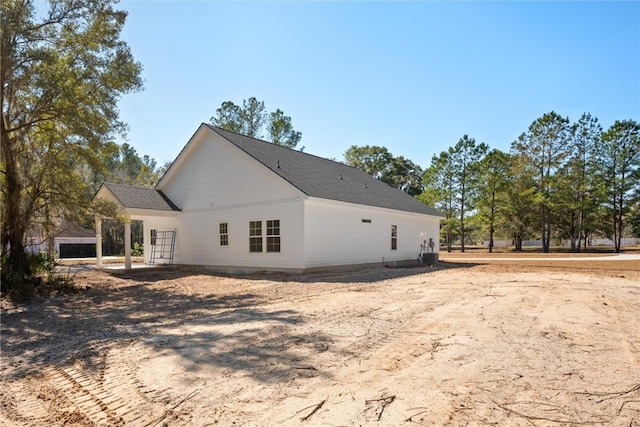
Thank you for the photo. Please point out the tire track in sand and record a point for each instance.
(113, 396)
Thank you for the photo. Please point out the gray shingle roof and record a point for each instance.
(319, 177)
(141, 197)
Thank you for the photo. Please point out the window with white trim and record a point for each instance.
(273, 235)
(255, 236)
(394, 237)
(224, 234)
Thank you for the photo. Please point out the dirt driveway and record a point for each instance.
(458, 344)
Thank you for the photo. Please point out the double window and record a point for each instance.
(272, 233)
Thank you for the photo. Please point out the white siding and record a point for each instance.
(216, 182)
(199, 238)
(212, 173)
(157, 223)
(336, 235)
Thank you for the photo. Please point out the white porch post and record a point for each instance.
(99, 240)
(127, 243)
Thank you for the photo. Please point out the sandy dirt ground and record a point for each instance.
(456, 344)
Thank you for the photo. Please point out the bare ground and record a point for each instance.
(458, 344)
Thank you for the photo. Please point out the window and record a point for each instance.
(255, 236)
(394, 237)
(273, 235)
(224, 234)
(154, 237)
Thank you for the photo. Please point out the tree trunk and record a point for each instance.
(518, 243)
(617, 214)
(491, 220)
(462, 233)
(546, 229)
(15, 267)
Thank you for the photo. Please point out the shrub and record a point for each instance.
(45, 277)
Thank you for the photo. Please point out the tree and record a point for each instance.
(545, 146)
(439, 191)
(465, 157)
(229, 116)
(634, 219)
(494, 178)
(127, 167)
(619, 162)
(398, 172)
(250, 119)
(372, 159)
(404, 175)
(517, 215)
(281, 130)
(578, 189)
(253, 116)
(63, 72)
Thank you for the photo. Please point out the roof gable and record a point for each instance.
(132, 197)
(323, 178)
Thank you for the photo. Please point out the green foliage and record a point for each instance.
(281, 130)
(125, 166)
(545, 146)
(251, 118)
(138, 249)
(372, 159)
(454, 177)
(578, 190)
(634, 219)
(399, 172)
(493, 180)
(439, 188)
(46, 277)
(404, 175)
(619, 163)
(63, 72)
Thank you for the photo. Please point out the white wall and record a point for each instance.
(199, 237)
(213, 173)
(214, 182)
(336, 235)
(158, 223)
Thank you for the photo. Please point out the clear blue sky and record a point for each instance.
(412, 76)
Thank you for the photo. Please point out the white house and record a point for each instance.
(235, 203)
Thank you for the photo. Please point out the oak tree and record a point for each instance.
(63, 72)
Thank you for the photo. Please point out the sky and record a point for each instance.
(412, 76)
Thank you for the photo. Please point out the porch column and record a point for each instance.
(127, 243)
(99, 240)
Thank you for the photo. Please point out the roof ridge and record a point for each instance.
(216, 128)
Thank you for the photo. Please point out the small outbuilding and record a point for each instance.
(237, 204)
(67, 240)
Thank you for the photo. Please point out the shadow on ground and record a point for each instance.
(82, 327)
